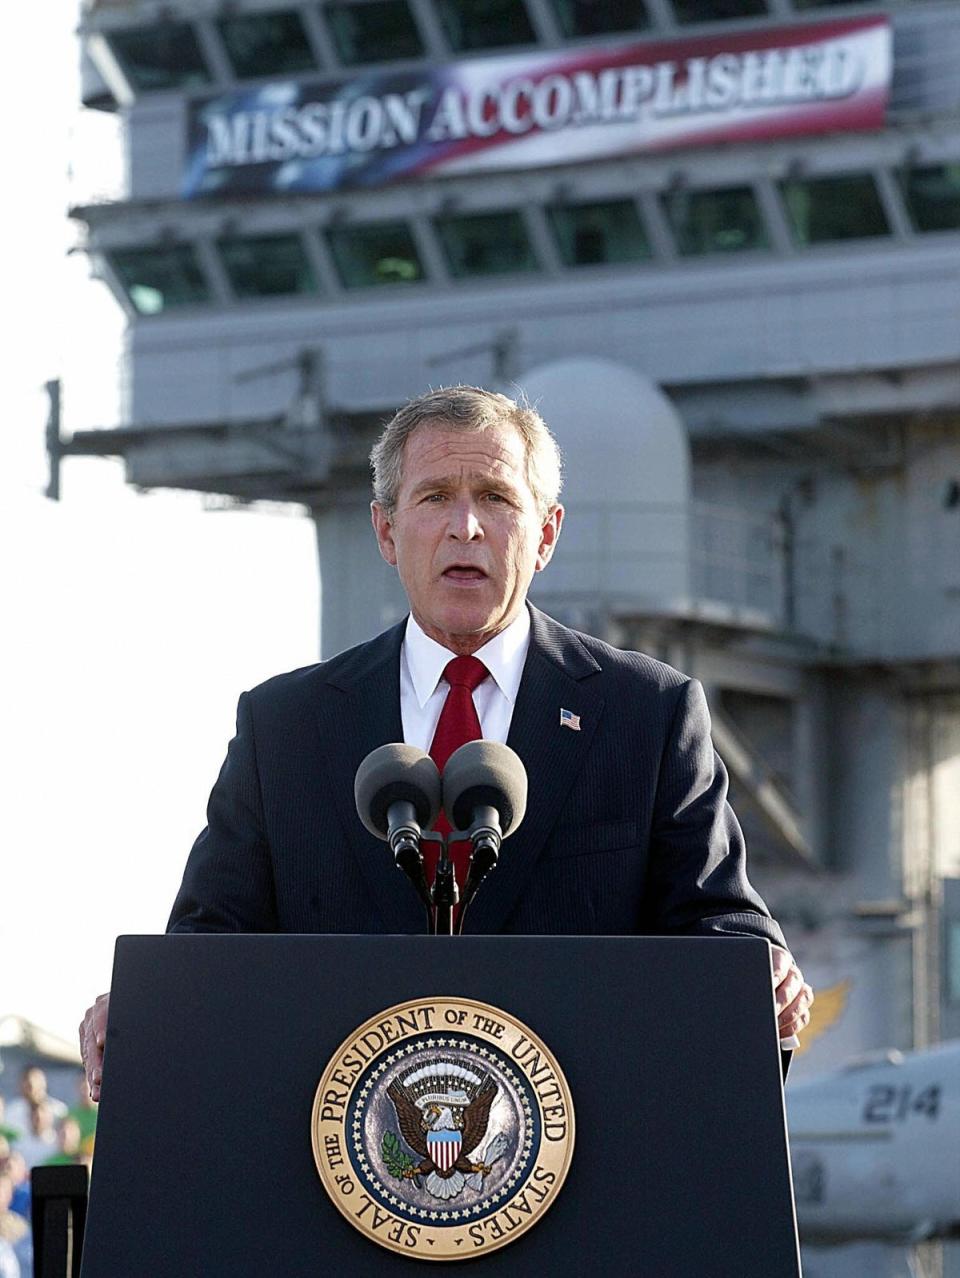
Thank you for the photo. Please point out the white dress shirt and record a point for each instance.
(423, 690)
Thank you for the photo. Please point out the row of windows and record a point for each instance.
(171, 56)
(727, 220)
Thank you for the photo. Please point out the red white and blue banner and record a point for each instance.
(530, 110)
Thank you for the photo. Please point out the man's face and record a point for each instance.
(465, 536)
(41, 1119)
(34, 1085)
(69, 1136)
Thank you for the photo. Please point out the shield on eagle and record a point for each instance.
(444, 1148)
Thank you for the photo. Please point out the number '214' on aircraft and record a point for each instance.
(875, 1148)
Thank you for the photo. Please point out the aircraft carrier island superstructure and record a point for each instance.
(719, 242)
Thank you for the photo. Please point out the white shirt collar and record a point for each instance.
(503, 656)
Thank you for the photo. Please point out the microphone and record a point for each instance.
(484, 795)
(397, 792)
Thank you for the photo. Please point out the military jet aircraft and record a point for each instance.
(875, 1148)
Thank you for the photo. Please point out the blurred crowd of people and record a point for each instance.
(36, 1129)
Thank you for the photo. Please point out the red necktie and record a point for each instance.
(458, 724)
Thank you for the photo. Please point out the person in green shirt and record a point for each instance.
(84, 1113)
(7, 1133)
(68, 1144)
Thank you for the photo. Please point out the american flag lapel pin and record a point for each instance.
(569, 720)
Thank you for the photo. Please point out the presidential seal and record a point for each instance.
(442, 1128)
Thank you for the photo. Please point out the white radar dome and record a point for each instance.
(625, 543)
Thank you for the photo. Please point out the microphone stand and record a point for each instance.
(445, 893)
(444, 896)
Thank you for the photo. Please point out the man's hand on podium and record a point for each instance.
(794, 996)
(93, 1034)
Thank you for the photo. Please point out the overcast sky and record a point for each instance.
(131, 622)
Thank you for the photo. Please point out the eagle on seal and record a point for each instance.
(444, 1134)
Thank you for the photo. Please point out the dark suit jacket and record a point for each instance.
(627, 827)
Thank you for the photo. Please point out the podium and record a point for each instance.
(205, 1162)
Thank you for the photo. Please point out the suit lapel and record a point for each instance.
(556, 676)
(359, 711)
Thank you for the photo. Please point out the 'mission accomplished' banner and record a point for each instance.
(529, 110)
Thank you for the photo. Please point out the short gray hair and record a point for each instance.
(468, 408)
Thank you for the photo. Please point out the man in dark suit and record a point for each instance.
(627, 829)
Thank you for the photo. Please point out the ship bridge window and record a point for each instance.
(717, 10)
(932, 194)
(377, 253)
(841, 207)
(158, 279)
(485, 243)
(267, 265)
(378, 31)
(266, 43)
(726, 220)
(596, 17)
(485, 24)
(160, 57)
(608, 231)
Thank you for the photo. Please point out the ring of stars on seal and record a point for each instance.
(442, 1128)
